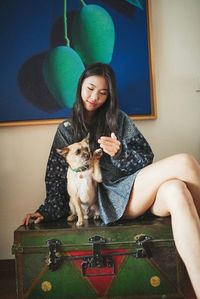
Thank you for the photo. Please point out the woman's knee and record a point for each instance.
(171, 197)
(175, 194)
(186, 161)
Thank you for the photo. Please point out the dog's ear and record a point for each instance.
(87, 138)
(63, 152)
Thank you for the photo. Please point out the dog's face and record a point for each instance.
(77, 154)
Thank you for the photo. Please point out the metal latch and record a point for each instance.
(103, 264)
(145, 251)
(54, 258)
(99, 262)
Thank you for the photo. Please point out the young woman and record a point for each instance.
(131, 184)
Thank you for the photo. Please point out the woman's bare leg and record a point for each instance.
(174, 198)
(168, 187)
(182, 167)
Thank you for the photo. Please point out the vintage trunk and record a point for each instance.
(132, 259)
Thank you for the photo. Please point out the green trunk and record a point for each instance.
(134, 259)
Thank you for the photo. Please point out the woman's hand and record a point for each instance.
(110, 145)
(37, 217)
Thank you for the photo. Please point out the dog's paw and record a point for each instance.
(96, 217)
(80, 223)
(72, 218)
(98, 153)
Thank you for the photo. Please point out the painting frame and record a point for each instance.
(153, 100)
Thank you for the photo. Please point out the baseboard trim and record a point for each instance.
(7, 268)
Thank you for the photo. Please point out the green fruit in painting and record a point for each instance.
(93, 34)
(62, 69)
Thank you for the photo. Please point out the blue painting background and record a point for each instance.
(29, 28)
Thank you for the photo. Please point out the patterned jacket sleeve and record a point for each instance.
(135, 151)
(56, 203)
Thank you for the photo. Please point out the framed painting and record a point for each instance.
(31, 29)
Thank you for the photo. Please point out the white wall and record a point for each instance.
(24, 150)
(176, 26)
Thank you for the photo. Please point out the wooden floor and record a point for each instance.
(8, 285)
(7, 280)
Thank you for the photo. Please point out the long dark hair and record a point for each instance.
(105, 120)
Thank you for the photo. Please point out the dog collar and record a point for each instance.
(80, 169)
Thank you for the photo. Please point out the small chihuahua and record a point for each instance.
(82, 177)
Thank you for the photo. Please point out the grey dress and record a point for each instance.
(118, 172)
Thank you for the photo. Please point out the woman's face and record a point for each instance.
(94, 93)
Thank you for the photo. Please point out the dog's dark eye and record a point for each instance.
(86, 149)
(77, 152)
